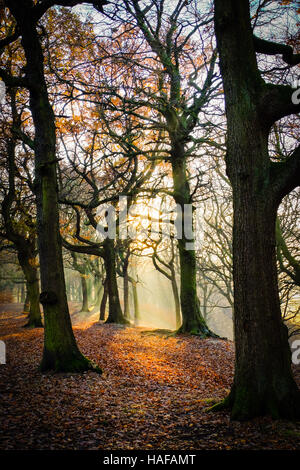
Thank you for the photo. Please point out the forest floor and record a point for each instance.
(153, 394)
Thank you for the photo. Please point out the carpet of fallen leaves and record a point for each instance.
(153, 394)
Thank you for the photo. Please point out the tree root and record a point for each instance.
(78, 364)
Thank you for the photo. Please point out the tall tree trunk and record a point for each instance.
(263, 382)
(72, 291)
(176, 299)
(60, 349)
(26, 305)
(26, 261)
(115, 314)
(98, 288)
(84, 290)
(90, 287)
(126, 289)
(192, 320)
(34, 317)
(137, 314)
(103, 301)
(22, 296)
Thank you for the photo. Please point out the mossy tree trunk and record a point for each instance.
(60, 349)
(192, 320)
(263, 382)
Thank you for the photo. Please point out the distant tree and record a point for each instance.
(175, 83)
(81, 267)
(18, 224)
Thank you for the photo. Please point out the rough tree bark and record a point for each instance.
(263, 382)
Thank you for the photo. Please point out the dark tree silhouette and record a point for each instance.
(263, 381)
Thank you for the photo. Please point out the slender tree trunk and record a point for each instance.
(176, 299)
(26, 261)
(84, 290)
(60, 349)
(23, 294)
(203, 305)
(20, 294)
(34, 318)
(137, 314)
(126, 290)
(26, 305)
(89, 286)
(98, 291)
(68, 289)
(115, 314)
(77, 286)
(103, 301)
(192, 320)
